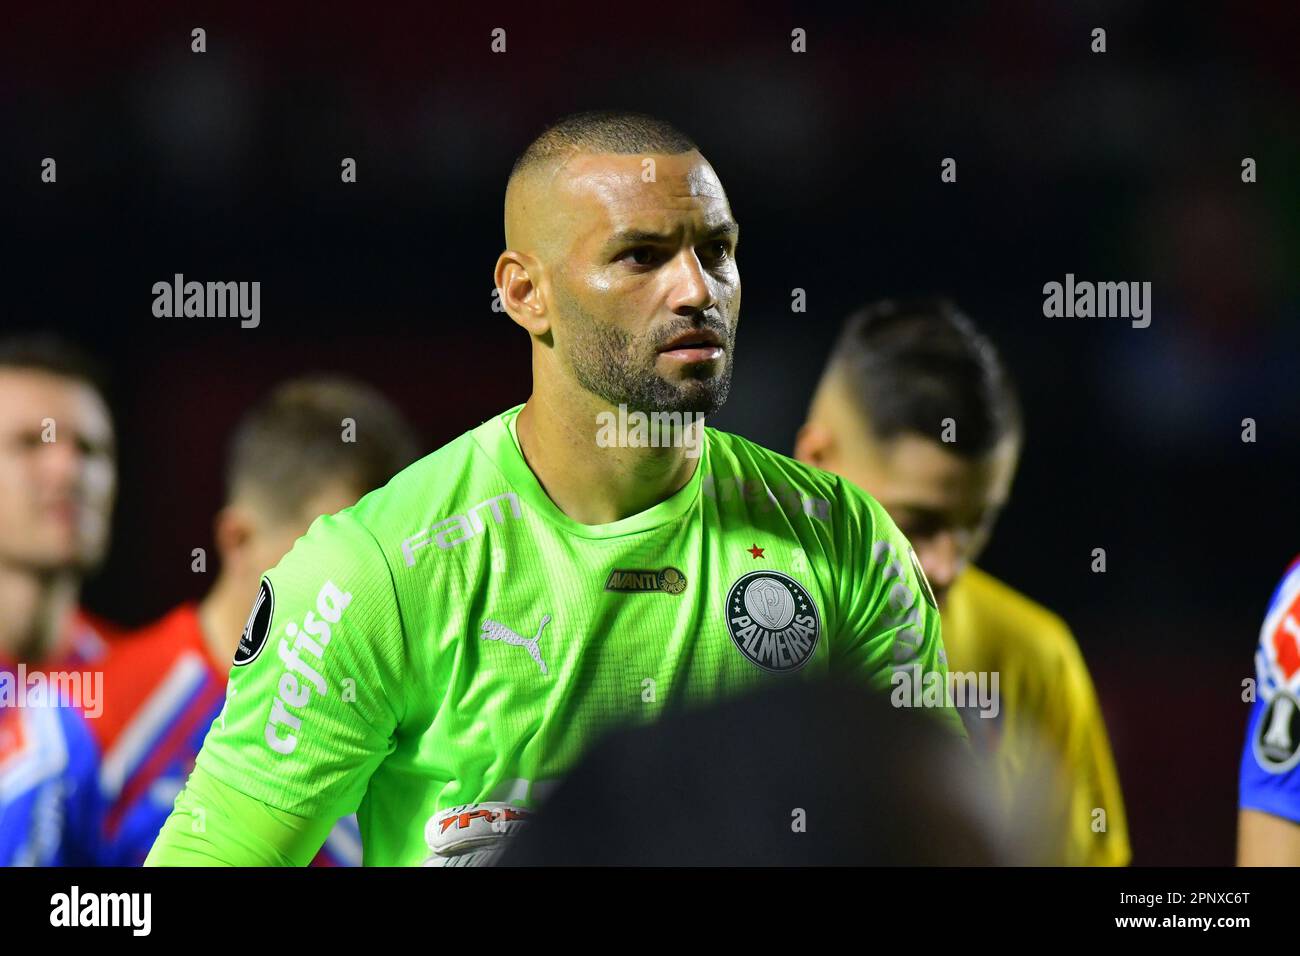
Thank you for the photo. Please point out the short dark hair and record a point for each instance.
(46, 352)
(910, 364)
(289, 446)
(603, 131)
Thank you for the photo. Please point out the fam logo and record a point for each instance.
(460, 528)
(773, 621)
(668, 580)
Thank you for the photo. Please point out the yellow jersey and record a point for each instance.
(1047, 739)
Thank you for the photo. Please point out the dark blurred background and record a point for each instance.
(1117, 166)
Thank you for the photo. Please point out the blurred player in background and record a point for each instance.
(57, 483)
(289, 462)
(915, 407)
(463, 634)
(1269, 798)
(737, 784)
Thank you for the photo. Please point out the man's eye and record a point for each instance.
(642, 255)
(93, 449)
(919, 528)
(718, 251)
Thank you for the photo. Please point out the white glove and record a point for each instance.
(473, 834)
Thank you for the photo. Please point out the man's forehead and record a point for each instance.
(34, 394)
(37, 385)
(926, 475)
(623, 185)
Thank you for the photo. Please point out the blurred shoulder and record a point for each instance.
(1285, 598)
(1015, 621)
(1278, 654)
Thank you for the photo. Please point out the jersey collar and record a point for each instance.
(498, 438)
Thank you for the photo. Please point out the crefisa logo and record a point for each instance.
(773, 621)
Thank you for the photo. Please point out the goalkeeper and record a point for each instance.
(437, 655)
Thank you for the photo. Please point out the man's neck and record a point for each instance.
(591, 484)
(222, 615)
(38, 607)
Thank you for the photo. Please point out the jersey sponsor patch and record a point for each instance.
(302, 674)
(669, 580)
(1276, 740)
(257, 627)
(773, 621)
(1277, 733)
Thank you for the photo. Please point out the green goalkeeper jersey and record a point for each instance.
(455, 638)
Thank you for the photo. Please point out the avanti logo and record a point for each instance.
(667, 580)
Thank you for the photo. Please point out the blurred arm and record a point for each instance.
(214, 824)
(1090, 766)
(1266, 840)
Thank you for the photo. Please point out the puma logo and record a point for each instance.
(494, 631)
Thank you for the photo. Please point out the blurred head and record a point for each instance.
(620, 263)
(725, 783)
(57, 458)
(290, 463)
(916, 408)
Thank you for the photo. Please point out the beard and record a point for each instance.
(619, 367)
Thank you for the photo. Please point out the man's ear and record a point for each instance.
(518, 278)
(233, 530)
(814, 444)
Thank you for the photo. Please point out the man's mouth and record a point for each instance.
(66, 510)
(697, 345)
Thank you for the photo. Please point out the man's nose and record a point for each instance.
(692, 292)
(941, 557)
(61, 461)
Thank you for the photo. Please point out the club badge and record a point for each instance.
(773, 621)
